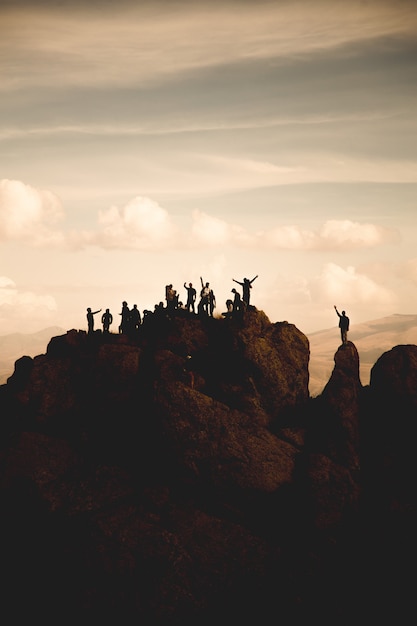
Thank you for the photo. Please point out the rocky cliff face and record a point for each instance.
(184, 475)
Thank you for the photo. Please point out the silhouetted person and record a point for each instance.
(106, 320)
(171, 298)
(237, 303)
(90, 319)
(246, 287)
(124, 324)
(203, 305)
(135, 319)
(229, 309)
(212, 302)
(159, 310)
(191, 296)
(343, 325)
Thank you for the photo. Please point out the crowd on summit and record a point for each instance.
(131, 319)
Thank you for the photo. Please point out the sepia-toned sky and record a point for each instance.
(152, 142)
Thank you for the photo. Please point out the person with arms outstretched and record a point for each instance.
(343, 324)
(246, 287)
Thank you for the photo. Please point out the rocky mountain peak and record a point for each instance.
(184, 472)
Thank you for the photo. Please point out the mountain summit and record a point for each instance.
(184, 475)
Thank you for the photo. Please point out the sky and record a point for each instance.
(156, 142)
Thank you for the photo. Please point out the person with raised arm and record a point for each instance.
(343, 325)
(246, 287)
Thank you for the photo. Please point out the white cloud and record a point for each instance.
(23, 309)
(333, 235)
(291, 238)
(26, 213)
(141, 223)
(347, 234)
(336, 284)
(213, 231)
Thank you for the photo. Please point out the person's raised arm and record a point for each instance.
(254, 278)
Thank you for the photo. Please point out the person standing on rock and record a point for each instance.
(237, 304)
(246, 287)
(106, 320)
(191, 296)
(90, 319)
(343, 324)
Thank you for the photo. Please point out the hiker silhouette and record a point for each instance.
(246, 287)
(135, 319)
(106, 320)
(90, 319)
(229, 309)
(124, 324)
(203, 305)
(191, 296)
(237, 304)
(343, 324)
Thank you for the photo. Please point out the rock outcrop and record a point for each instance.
(184, 475)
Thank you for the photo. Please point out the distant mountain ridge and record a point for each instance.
(16, 345)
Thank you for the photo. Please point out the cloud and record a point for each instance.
(141, 223)
(333, 235)
(337, 284)
(212, 231)
(26, 213)
(347, 234)
(27, 308)
(154, 41)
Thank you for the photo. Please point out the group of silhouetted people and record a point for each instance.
(131, 319)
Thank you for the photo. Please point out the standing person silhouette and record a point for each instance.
(203, 305)
(246, 287)
(212, 303)
(90, 319)
(171, 298)
(106, 320)
(135, 318)
(343, 325)
(191, 296)
(237, 304)
(124, 324)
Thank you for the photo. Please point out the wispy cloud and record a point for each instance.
(148, 43)
(165, 126)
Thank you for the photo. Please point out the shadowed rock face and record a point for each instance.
(184, 474)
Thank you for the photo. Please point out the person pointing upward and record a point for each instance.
(343, 324)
